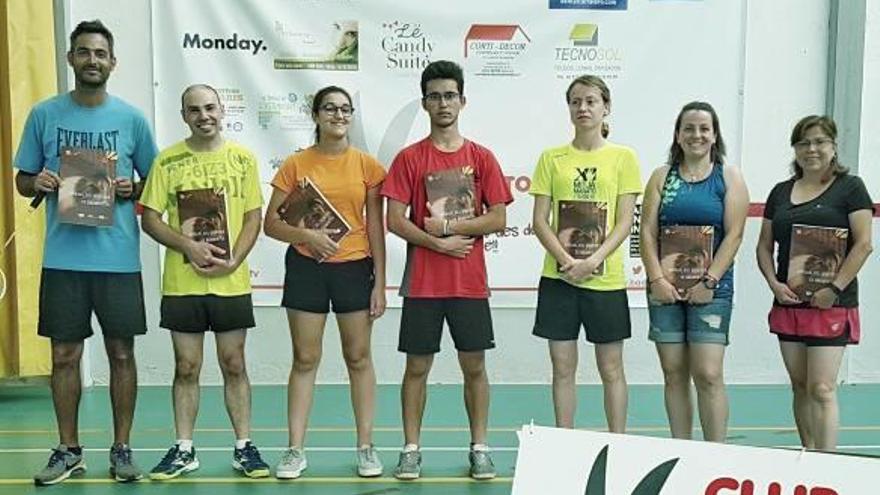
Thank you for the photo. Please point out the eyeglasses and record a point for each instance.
(448, 97)
(816, 143)
(331, 109)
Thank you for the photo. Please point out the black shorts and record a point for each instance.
(68, 298)
(563, 308)
(421, 324)
(311, 286)
(840, 341)
(198, 314)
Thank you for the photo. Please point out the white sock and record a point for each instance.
(241, 442)
(479, 447)
(185, 445)
(410, 447)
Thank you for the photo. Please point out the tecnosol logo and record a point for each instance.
(235, 42)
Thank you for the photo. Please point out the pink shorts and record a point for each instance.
(814, 323)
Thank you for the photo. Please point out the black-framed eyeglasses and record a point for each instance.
(448, 97)
(816, 143)
(331, 109)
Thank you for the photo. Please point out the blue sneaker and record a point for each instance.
(248, 461)
(175, 463)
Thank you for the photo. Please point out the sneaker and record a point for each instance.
(248, 461)
(175, 463)
(409, 466)
(122, 466)
(292, 464)
(368, 461)
(482, 467)
(62, 464)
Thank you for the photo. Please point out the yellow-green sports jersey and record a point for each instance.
(566, 173)
(178, 168)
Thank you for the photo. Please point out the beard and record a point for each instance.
(91, 83)
(445, 124)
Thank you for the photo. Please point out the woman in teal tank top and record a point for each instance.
(693, 217)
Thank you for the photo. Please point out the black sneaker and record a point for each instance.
(175, 463)
(248, 461)
(62, 464)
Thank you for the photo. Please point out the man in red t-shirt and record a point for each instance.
(445, 277)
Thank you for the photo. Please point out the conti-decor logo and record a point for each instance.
(582, 53)
(233, 43)
(406, 45)
(651, 484)
(588, 4)
(495, 49)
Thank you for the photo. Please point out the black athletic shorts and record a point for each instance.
(68, 298)
(421, 324)
(841, 340)
(198, 314)
(563, 308)
(312, 287)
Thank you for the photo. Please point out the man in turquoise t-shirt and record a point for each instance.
(89, 269)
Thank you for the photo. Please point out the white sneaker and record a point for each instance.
(292, 464)
(369, 465)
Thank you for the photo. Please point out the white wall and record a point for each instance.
(865, 362)
(784, 79)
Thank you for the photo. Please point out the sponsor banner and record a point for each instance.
(589, 4)
(495, 50)
(268, 58)
(572, 462)
(582, 52)
(407, 46)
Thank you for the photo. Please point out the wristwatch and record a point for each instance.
(709, 281)
(835, 289)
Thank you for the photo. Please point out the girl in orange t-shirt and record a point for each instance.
(335, 259)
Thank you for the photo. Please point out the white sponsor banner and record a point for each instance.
(267, 58)
(572, 462)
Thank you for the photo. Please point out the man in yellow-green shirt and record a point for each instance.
(204, 287)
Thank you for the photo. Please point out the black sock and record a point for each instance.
(75, 450)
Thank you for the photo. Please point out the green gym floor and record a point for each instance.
(760, 415)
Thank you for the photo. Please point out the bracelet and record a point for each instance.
(661, 277)
(835, 289)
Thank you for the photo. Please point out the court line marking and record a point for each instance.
(429, 429)
(28, 450)
(317, 481)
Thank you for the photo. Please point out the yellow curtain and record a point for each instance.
(27, 75)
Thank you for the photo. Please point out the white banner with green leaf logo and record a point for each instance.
(574, 462)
